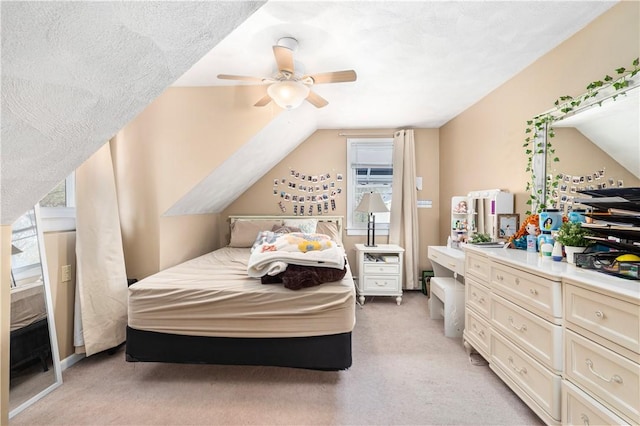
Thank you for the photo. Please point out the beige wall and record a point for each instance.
(482, 147)
(60, 248)
(163, 153)
(326, 151)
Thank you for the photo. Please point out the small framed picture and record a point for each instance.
(508, 225)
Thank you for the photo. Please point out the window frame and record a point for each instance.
(352, 227)
(60, 219)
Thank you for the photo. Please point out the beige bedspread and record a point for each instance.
(212, 295)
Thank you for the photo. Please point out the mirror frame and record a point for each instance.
(55, 355)
(540, 128)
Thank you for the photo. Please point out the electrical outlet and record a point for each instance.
(66, 273)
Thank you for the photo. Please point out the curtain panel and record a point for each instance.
(403, 229)
(101, 277)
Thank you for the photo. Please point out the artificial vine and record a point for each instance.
(563, 106)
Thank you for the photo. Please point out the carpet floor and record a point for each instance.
(405, 372)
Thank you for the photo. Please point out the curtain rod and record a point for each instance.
(380, 135)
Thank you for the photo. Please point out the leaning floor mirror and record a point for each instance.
(34, 361)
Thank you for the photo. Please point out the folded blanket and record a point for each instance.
(272, 255)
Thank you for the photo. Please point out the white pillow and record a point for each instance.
(307, 226)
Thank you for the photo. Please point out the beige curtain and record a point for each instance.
(403, 229)
(101, 276)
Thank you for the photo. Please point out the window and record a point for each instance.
(369, 169)
(58, 207)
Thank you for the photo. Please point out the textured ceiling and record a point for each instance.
(419, 63)
(75, 73)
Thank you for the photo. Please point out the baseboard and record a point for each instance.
(70, 360)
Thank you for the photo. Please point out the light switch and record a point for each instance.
(66, 273)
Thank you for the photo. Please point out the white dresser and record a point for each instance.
(566, 340)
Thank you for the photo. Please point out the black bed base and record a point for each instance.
(330, 353)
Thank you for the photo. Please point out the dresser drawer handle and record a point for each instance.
(517, 281)
(478, 332)
(499, 277)
(585, 419)
(615, 378)
(522, 370)
(475, 297)
(600, 314)
(522, 328)
(533, 291)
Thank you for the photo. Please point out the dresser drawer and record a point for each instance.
(538, 382)
(539, 338)
(478, 297)
(381, 268)
(478, 266)
(382, 283)
(611, 378)
(478, 332)
(579, 408)
(532, 292)
(608, 317)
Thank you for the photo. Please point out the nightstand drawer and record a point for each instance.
(381, 268)
(382, 283)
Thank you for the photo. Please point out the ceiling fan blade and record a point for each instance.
(263, 101)
(334, 77)
(316, 100)
(284, 58)
(240, 77)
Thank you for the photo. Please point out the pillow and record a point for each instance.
(330, 229)
(307, 226)
(244, 232)
(282, 229)
(265, 237)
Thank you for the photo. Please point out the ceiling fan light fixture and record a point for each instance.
(288, 94)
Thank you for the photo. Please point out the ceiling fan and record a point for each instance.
(289, 87)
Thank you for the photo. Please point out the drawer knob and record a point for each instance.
(585, 419)
(522, 370)
(522, 328)
(600, 314)
(533, 291)
(614, 379)
(517, 281)
(499, 277)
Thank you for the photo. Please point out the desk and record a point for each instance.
(447, 288)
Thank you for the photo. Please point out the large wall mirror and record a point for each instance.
(610, 121)
(34, 360)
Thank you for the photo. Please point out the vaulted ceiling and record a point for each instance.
(74, 73)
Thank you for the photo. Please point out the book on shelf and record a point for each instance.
(390, 259)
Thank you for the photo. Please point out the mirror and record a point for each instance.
(611, 121)
(34, 361)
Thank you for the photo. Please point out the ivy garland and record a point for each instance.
(563, 106)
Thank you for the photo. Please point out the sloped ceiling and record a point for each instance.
(74, 73)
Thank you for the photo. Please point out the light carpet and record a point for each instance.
(405, 372)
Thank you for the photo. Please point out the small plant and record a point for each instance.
(573, 234)
(480, 238)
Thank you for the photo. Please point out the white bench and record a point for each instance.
(447, 301)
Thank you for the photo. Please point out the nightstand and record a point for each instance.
(379, 271)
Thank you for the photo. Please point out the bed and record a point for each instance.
(208, 310)
(29, 339)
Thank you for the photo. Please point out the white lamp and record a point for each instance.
(288, 94)
(371, 203)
